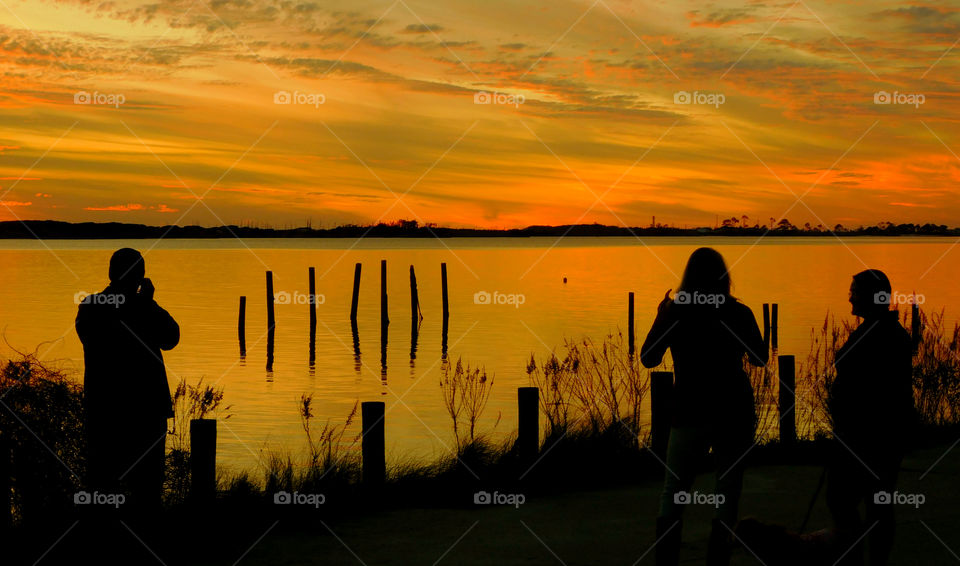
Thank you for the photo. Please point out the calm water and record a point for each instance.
(200, 282)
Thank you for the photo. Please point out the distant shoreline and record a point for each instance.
(58, 230)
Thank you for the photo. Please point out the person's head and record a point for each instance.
(126, 269)
(706, 274)
(870, 293)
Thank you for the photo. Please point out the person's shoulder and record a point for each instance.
(739, 309)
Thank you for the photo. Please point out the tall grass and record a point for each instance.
(189, 402)
(465, 392)
(592, 388)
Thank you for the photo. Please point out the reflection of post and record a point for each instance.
(373, 445)
(528, 423)
(242, 326)
(203, 459)
(415, 316)
(356, 346)
(446, 310)
(774, 314)
(271, 321)
(356, 293)
(630, 337)
(766, 326)
(313, 315)
(661, 407)
(787, 399)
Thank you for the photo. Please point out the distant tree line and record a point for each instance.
(53, 229)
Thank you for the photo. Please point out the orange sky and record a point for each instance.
(171, 111)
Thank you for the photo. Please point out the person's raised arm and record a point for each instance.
(164, 330)
(657, 341)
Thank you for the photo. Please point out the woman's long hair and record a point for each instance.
(706, 273)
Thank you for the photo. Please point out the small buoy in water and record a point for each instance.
(564, 280)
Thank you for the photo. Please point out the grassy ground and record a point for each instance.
(607, 526)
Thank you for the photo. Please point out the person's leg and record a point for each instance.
(730, 447)
(845, 491)
(880, 539)
(686, 447)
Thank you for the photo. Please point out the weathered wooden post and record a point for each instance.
(312, 282)
(630, 336)
(356, 293)
(203, 460)
(766, 326)
(373, 443)
(384, 313)
(446, 310)
(414, 299)
(787, 400)
(916, 328)
(528, 422)
(242, 326)
(773, 325)
(661, 411)
(271, 321)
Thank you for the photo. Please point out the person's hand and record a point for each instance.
(147, 289)
(665, 303)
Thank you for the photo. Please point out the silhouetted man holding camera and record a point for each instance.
(126, 396)
(871, 404)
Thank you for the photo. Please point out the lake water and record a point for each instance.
(200, 281)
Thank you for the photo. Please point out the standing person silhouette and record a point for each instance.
(126, 395)
(708, 332)
(871, 406)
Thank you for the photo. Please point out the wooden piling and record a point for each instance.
(271, 321)
(774, 316)
(528, 422)
(630, 336)
(661, 411)
(242, 326)
(312, 283)
(446, 310)
(916, 328)
(203, 460)
(787, 400)
(415, 316)
(373, 443)
(356, 292)
(384, 314)
(766, 326)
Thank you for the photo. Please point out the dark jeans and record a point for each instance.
(862, 474)
(687, 447)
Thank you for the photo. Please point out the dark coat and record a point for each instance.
(124, 374)
(871, 399)
(708, 344)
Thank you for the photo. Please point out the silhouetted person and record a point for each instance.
(126, 396)
(708, 332)
(871, 405)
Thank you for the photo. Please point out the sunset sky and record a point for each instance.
(183, 123)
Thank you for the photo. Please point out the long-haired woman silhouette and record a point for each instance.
(708, 333)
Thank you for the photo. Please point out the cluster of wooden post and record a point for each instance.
(416, 315)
